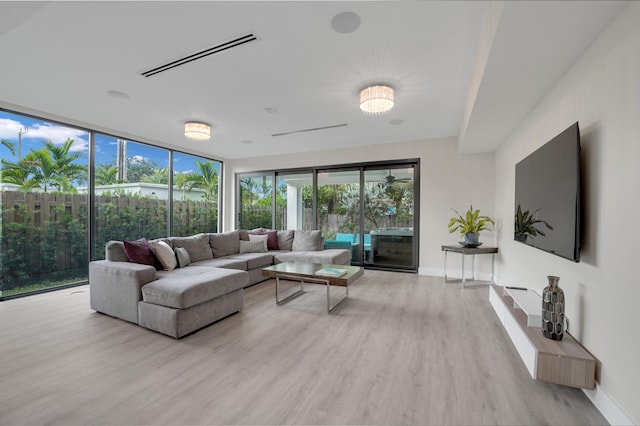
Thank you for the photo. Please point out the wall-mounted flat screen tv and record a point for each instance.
(547, 200)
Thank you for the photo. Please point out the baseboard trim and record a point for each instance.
(608, 407)
(453, 275)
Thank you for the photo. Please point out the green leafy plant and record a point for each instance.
(525, 224)
(472, 221)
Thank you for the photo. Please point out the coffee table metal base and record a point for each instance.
(301, 290)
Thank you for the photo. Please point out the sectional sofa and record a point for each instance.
(178, 285)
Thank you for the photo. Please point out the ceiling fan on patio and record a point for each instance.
(390, 179)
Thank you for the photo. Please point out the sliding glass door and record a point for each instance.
(338, 210)
(369, 209)
(389, 217)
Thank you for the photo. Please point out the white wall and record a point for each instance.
(602, 92)
(447, 180)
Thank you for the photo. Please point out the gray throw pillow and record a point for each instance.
(197, 246)
(261, 238)
(225, 244)
(183, 257)
(252, 247)
(307, 241)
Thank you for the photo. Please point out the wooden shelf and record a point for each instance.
(563, 362)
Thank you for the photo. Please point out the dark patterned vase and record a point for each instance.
(553, 310)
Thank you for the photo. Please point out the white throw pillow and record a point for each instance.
(262, 238)
(165, 255)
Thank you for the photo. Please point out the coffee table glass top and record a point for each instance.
(303, 269)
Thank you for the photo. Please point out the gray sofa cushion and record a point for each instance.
(307, 241)
(331, 256)
(225, 243)
(255, 260)
(186, 287)
(197, 246)
(114, 251)
(285, 239)
(229, 262)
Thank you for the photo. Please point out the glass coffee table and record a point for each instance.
(309, 272)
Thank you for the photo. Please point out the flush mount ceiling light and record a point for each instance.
(196, 130)
(376, 99)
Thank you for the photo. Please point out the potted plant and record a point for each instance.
(470, 225)
(524, 225)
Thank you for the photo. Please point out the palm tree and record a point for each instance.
(106, 175)
(10, 145)
(50, 166)
(17, 173)
(207, 179)
(185, 182)
(158, 176)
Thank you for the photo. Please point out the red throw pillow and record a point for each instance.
(139, 251)
(272, 239)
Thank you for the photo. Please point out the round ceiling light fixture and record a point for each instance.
(377, 99)
(196, 130)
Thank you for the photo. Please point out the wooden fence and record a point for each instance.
(44, 235)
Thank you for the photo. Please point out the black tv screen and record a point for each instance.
(547, 200)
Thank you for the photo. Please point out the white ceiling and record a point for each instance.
(61, 58)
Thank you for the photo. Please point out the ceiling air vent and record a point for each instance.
(309, 130)
(202, 54)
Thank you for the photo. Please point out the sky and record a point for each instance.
(39, 131)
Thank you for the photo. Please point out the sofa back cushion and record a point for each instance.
(307, 241)
(285, 239)
(114, 251)
(197, 246)
(224, 244)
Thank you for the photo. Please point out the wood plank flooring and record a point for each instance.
(403, 349)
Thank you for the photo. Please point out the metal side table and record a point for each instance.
(465, 251)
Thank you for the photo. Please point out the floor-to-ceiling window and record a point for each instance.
(54, 220)
(256, 201)
(196, 191)
(131, 191)
(368, 208)
(43, 228)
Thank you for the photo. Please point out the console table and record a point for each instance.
(563, 362)
(465, 251)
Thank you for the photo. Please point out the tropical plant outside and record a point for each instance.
(43, 231)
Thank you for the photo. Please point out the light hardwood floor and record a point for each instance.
(403, 349)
